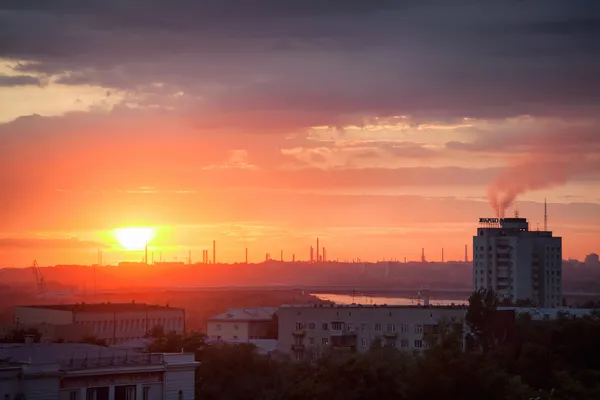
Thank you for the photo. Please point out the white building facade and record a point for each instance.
(309, 331)
(517, 263)
(114, 322)
(86, 372)
(242, 325)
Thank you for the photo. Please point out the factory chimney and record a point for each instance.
(312, 255)
(423, 255)
(246, 255)
(324, 254)
(281, 256)
(466, 256)
(318, 250)
(146, 254)
(442, 254)
(214, 251)
(545, 216)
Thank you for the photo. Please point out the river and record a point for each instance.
(380, 300)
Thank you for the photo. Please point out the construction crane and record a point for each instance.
(39, 277)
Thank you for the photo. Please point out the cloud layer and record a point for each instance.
(296, 96)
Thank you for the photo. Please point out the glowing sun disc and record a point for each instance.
(134, 239)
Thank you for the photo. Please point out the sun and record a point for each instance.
(134, 239)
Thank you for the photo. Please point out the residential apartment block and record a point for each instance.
(518, 263)
(113, 322)
(308, 331)
(69, 371)
(243, 324)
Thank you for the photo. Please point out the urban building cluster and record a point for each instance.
(517, 263)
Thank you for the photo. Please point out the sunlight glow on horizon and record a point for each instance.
(134, 239)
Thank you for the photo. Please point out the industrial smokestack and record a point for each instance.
(545, 216)
(442, 254)
(317, 249)
(466, 256)
(281, 256)
(214, 251)
(146, 254)
(312, 254)
(324, 254)
(423, 255)
(246, 255)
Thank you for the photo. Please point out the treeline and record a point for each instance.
(558, 359)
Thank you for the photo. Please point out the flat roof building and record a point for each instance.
(69, 371)
(113, 322)
(243, 324)
(308, 331)
(518, 263)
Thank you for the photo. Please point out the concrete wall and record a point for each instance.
(123, 326)
(41, 388)
(228, 330)
(180, 379)
(34, 315)
(311, 328)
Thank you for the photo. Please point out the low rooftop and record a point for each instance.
(105, 307)
(74, 356)
(246, 314)
(416, 306)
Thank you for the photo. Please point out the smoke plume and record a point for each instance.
(534, 174)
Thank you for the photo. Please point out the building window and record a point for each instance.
(363, 327)
(418, 344)
(418, 328)
(74, 395)
(378, 327)
(218, 337)
(311, 326)
(235, 338)
(404, 343)
(299, 326)
(98, 393)
(337, 326)
(363, 343)
(146, 393)
(404, 328)
(325, 326)
(391, 327)
(235, 327)
(180, 395)
(350, 327)
(219, 327)
(325, 341)
(311, 340)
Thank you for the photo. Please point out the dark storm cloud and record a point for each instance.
(18, 80)
(336, 57)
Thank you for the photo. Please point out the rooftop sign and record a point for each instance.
(490, 220)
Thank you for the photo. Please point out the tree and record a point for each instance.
(483, 305)
(174, 343)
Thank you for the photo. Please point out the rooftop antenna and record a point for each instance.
(545, 216)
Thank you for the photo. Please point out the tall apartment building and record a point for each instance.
(114, 322)
(518, 263)
(308, 331)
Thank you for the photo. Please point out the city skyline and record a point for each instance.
(380, 127)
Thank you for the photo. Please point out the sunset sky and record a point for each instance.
(379, 126)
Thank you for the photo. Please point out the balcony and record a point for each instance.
(390, 334)
(298, 347)
(117, 359)
(299, 332)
